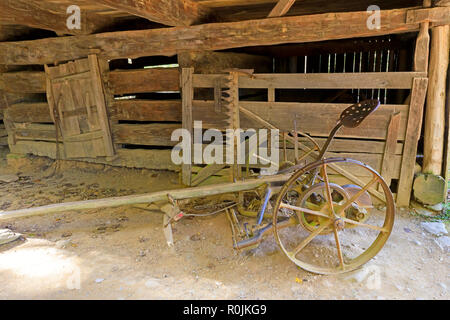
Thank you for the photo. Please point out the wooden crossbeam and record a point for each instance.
(213, 36)
(281, 8)
(39, 14)
(169, 12)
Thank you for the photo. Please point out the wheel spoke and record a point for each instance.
(308, 239)
(328, 190)
(339, 249)
(365, 225)
(357, 195)
(295, 208)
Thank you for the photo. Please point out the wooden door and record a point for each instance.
(77, 104)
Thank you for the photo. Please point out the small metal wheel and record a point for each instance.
(331, 226)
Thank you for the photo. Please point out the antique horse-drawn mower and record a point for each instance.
(322, 222)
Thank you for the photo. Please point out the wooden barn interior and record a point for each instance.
(113, 91)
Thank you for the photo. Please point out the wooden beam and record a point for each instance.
(433, 153)
(168, 12)
(214, 36)
(281, 8)
(39, 14)
(442, 3)
(179, 194)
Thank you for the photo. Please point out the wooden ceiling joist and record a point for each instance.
(214, 36)
(42, 15)
(281, 8)
(169, 12)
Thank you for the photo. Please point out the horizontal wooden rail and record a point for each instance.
(367, 80)
(145, 80)
(146, 110)
(315, 118)
(29, 112)
(155, 134)
(23, 82)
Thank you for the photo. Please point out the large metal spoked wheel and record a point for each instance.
(334, 227)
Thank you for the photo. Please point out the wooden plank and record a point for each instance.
(207, 37)
(145, 80)
(146, 110)
(30, 112)
(364, 80)
(353, 145)
(207, 172)
(32, 131)
(281, 115)
(155, 134)
(100, 102)
(187, 94)
(169, 12)
(130, 158)
(413, 130)
(281, 8)
(23, 82)
(436, 16)
(388, 166)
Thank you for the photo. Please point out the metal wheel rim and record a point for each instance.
(370, 252)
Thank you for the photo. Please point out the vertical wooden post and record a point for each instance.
(435, 110)
(422, 44)
(187, 94)
(413, 129)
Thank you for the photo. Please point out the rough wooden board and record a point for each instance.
(413, 130)
(38, 132)
(100, 102)
(30, 112)
(213, 36)
(207, 172)
(131, 158)
(281, 114)
(146, 110)
(155, 134)
(23, 82)
(145, 80)
(187, 98)
(363, 80)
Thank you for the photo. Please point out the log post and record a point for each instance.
(435, 110)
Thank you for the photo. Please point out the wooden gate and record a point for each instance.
(77, 105)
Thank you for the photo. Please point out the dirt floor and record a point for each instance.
(121, 253)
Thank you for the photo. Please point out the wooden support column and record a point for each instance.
(418, 94)
(435, 110)
(188, 122)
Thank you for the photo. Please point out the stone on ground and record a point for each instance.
(7, 236)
